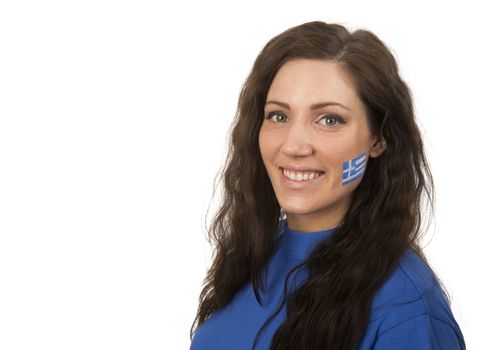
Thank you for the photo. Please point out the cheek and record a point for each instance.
(353, 168)
(266, 152)
(261, 143)
(346, 159)
(267, 145)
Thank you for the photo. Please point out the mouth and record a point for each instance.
(300, 179)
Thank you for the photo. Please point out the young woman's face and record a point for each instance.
(331, 140)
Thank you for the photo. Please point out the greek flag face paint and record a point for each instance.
(354, 168)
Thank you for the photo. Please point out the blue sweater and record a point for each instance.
(408, 311)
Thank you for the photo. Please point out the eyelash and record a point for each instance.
(331, 116)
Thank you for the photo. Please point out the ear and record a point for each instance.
(378, 146)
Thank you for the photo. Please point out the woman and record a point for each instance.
(316, 241)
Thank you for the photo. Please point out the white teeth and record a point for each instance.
(300, 176)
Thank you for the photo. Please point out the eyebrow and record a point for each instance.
(313, 106)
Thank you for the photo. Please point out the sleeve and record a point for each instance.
(423, 332)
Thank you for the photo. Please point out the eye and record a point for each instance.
(332, 120)
(272, 114)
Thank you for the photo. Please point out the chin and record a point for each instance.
(301, 209)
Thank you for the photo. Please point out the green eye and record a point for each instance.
(272, 114)
(332, 120)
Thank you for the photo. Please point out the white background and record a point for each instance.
(113, 123)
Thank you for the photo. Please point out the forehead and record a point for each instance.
(307, 81)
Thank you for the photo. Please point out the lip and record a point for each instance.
(298, 184)
(300, 168)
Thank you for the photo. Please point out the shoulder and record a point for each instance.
(412, 305)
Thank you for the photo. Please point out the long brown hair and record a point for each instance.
(331, 309)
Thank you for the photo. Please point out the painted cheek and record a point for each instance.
(354, 168)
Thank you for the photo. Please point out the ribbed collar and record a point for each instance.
(298, 244)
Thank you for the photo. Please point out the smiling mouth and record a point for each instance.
(301, 176)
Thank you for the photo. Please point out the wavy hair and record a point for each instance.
(331, 309)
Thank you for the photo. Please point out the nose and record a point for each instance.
(297, 142)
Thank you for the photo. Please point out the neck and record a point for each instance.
(324, 219)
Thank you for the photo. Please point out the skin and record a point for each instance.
(302, 137)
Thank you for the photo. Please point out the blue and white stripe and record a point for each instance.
(354, 168)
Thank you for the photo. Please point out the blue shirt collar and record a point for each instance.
(298, 244)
